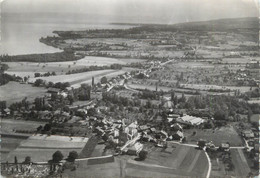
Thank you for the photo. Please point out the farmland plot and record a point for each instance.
(10, 93)
(218, 136)
(41, 147)
(177, 161)
(79, 78)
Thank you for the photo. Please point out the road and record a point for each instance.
(208, 158)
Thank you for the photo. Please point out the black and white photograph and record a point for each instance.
(129, 88)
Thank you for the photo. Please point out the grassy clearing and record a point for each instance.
(180, 160)
(13, 92)
(218, 136)
(9, 125)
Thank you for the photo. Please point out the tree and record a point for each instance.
(25, 79)
(181, 76)
(39, 103)
(103, 80)
(172, 95)
(37, 75)
(148, 103)
(39, 128)
(4, 67)
(15, 160)
(84, 92)
(201, 143)
(50, 84)
(57, 157)
(249, 115)
(183, 98)
(220, 115)
(2, 105)
(72, 156)
(27, 160)
(47, 127)
(142, 155)
(71, 99)
(38, 82)
(92, 112)
(65, 85)
(93, 81)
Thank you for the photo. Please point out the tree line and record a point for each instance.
(94, 68)
(47, 57)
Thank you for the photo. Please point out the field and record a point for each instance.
(7, 145)
(41, 147)
(255, 118)
(240, 163)
(11, 94)
(9, 125)
(179, 161)
(188, 92)
(77, 79)
(218, 136)
(175, 161)
(11, 142)
(29, 68)
(111, 170)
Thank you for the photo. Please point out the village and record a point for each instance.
(170, 104)
(121, 126)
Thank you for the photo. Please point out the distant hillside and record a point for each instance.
(251, 23)
(222, 24)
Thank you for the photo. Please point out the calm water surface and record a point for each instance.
(22, 37)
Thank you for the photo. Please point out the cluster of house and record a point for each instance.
(115, 81)
(151, 133)
(128, 136)
(251, 137)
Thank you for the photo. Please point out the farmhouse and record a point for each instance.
(131, 130)
(224, 147)
(135, 149)
(177, 136)
(176, 127)
(248, 134)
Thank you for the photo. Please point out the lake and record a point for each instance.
(21, 36)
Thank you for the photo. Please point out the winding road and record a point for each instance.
(193, 145)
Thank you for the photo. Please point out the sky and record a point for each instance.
(133, 11)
